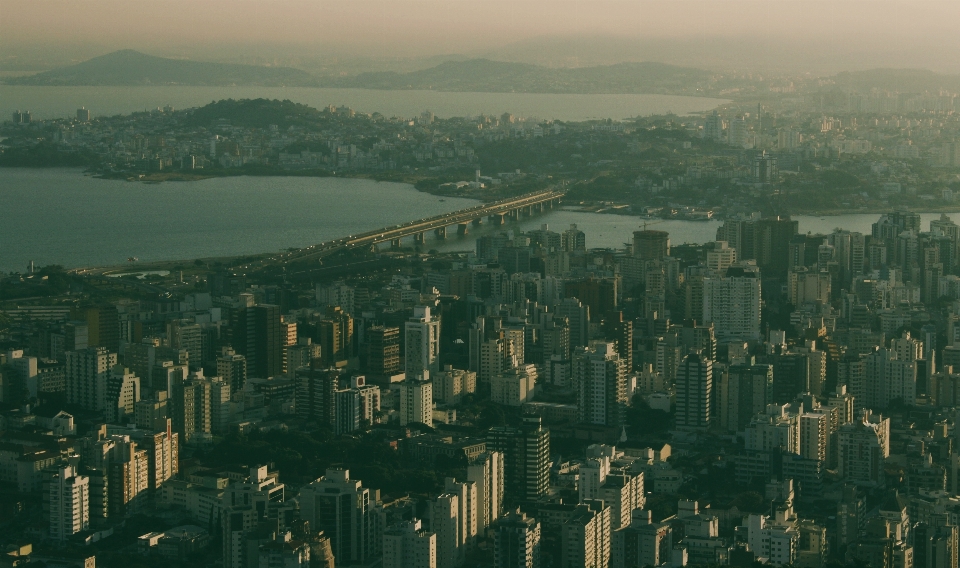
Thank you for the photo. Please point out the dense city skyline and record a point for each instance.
(443, 284)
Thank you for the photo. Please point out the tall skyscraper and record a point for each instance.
(600, 376)
(348, 513)
(422, 334)
(694, 387)
(516, 542)
(68, 498)
(526, 452)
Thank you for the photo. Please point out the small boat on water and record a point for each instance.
(132, 259)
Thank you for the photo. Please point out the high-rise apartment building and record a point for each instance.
(642, 543)
(578, 320)
(68, 498)
(573, 239)
(122, 394)
(864, 445)
(732, 303)
(190, 402)
(694, 399)
(348, 513)
(422, 335)
(88, 372)
(233, 368)
(128, 474)
(487, 472)
(600, 377)
(336, 337)
(383, 350)
(103, 326)
(450, 385)
(585, 536)
(749, 391)
(299, 356)
(315, 398)
(408, 545)
(814, 436)
(188, 336)
(416, 401)
(721, 257)
(516, 542)
(255, 334)
(526, 452)
(444, 514)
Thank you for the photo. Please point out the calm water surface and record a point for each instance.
(63, 217)
(60, 216)
(60, 102)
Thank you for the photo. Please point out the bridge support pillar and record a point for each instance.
(441, 232)
(478, 221)
(529, 210)
(395, 243)
(462, 228)
(498, 219)
(418, 238)
(516, 214)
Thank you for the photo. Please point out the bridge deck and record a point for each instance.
(387, 234)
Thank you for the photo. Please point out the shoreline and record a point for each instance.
(598, 207)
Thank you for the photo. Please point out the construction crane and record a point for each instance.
(643, 226)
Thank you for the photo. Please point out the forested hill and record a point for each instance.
(129, 67)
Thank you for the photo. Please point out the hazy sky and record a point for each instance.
(429, 27)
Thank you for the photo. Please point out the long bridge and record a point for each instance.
(497, 212)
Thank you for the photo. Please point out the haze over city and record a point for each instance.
(479, 284)
(799, 35)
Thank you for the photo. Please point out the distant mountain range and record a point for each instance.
(484, 75)
(129, 67)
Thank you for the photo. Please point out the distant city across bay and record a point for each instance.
(60, 102)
